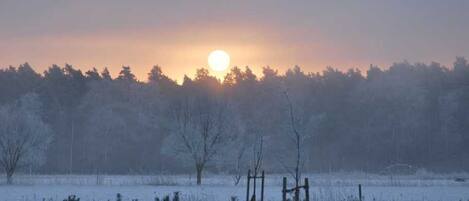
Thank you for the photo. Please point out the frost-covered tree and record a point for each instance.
(202, 126)
(24, 137)
(120, 126)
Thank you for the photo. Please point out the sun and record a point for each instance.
(218, 60)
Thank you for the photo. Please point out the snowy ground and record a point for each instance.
(220, 188)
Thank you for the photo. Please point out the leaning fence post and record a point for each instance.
(306, 189)
(247, 191)
(262, 187)
(360, 192)
(284, 189)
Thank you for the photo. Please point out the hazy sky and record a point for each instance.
(178, 35)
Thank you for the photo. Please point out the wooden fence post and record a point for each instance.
(262, 187)
(360, 192)
(254, 186)
(297, 193)
(306, 189)
(284, 189)
(247, 190)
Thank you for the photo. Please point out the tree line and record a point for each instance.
(89, 122)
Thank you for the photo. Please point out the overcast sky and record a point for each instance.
(178, 35)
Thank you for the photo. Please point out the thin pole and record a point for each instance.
(284, 189)
(360, 192)
(297, 193)
(262, 187)
(254, 186)
(247, 190)
(306, 189)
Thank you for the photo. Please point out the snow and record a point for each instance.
(220, 188)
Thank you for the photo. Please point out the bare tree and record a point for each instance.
(257, 154)
(301, 125)
(202, 126)
(23, 136)
(239, 164)
(297, 139)
(201, 132)
(246, 153)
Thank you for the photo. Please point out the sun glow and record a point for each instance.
(218, 60)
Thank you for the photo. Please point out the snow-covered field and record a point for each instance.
(220, 188)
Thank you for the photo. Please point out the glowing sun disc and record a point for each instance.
(218, 60)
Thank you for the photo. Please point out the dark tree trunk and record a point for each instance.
(199, 169)
(9, 175)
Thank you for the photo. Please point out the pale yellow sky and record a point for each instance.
(179, 53)
(178, 35)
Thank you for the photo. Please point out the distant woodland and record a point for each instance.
(89, 122)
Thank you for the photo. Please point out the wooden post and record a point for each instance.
(297, 193)
(247, 190)
(284, 189)
(262, 186)
(360, 192)
(254, 186)
(306, 189)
